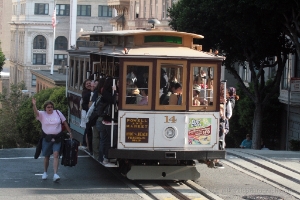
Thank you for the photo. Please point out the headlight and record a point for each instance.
(170, 133)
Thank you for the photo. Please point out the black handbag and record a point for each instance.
(38, 148)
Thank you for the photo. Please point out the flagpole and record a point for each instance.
(54, 27)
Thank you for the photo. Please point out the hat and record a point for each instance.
(197, 87)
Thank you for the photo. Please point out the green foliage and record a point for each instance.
(28, 127)
(295, 145)
(11, 102)
(2, 59)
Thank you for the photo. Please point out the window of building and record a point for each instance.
(33, 80)
(137, 9)
(166, 8)
(104, 11)
(286, 73)
(245, 74)
(39, 42)
(39, 59)
(150, 9)
(14, 9)
(145, 8)
(41, 9)
(63, 9)
(61, 43)
(23, 9)
(131, 13)
(83, 10)
(156, 8)
(58, 58)
(163, 9)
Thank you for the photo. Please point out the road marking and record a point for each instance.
(15, 158)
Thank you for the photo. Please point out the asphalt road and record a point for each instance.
(21, 178)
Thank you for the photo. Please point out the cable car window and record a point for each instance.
(137, 86)
(202, 86)
(172, 85)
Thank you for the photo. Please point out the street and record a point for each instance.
(21, 179)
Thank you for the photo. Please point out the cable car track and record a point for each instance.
(183, 190)
(270, 171)
(163, 189)
(186, 190)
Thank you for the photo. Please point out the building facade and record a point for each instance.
(134, 14)
(34, 46)
(5, 17)
(290, 97)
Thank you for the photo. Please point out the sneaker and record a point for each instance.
(219, 165)
(105, 161)
(44, 177)
(56, 178)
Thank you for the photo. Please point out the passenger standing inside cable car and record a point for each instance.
(196, 95)
(176, 98)
(109, 98)
(85, 99)
(144, 98)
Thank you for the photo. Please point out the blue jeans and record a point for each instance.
(105, 137)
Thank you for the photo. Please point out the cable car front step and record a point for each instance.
(163, 173)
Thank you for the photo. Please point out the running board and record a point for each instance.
(163, 173)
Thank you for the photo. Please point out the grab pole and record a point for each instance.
(112, 117)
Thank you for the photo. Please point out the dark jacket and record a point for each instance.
(95, 96)
(109, 100)
(86, 94)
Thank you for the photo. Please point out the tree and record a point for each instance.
(290, 17)
(2, 59)
(11, 102)
(244, 33)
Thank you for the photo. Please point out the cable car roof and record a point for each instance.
(144, 32)
(162, 52)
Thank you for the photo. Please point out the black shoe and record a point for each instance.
(219, 165)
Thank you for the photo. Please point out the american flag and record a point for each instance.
(54, 18)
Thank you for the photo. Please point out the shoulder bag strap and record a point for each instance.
(59, 116)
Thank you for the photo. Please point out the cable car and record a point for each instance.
(168, 101)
